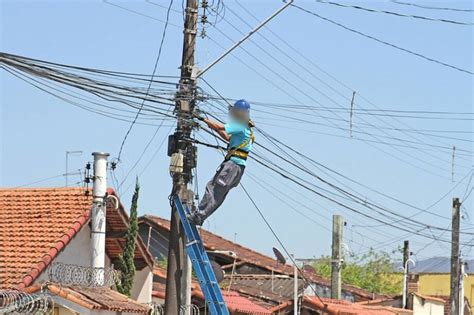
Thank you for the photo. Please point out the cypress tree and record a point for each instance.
(126, 264)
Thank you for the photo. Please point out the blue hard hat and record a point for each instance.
(242, 105)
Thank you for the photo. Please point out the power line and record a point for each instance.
(272, 230)
(319, 68)
(285, 173)
(291, 95)
(121, 74)
(139, 13)
(163, 36)
(45, 179)
(402, 159)
(85, 107)
(431, 7)
(304, 68)
(383, 41)
(152, 158)
(101, 89)
(309, 96)
(314, 162)
(220, 148)
(361, 110)
(142, 153)
(273, 138)
(285, 115)
(393, 13)
(379, 149)
(364, 203)
(290, 176)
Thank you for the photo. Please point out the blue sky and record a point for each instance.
(37, 129)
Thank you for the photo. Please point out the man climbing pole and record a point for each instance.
(238, 132)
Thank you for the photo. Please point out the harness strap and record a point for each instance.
(237, 151)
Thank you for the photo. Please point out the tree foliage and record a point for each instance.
(372, 271)
(126, 264)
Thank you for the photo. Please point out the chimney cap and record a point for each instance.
(100, 153)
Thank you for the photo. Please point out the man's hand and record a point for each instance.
(198, 116)
(218, 127)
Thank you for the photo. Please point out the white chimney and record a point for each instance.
(99, 190)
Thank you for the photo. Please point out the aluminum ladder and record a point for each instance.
(201, 264)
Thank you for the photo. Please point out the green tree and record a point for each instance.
(126, 264)
(372, 271)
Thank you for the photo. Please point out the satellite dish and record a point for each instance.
(217, 271)
(279, 256)
(309, 269)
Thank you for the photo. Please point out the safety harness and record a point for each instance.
(238, 150)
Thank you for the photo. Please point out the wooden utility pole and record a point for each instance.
(455, 268)
(337, 223)
(183, 160)
(406, 256)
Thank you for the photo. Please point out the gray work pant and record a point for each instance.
(228, 176)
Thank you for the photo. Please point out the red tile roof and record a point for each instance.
(247, 255)
(99, 298)
(37, 223)
(236, 303)
(430, 298)
(241, 305)
(215, 242)
(340, 307)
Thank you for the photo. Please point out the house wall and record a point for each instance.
(81, 243)
(438, 284)
(142, 285)
(425, 307)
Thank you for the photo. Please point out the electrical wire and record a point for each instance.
(408, 163)
(352, 195)
(431, 7)
(43, 180)
(32, 81)
(317, 67)
(265, 135)
(272, 230)
(282, 64)
(383, 41)
(357, 7)
(304, 184)
(304, 93)
(163, 36)
(139, 13)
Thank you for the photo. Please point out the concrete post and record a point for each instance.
(98, 216)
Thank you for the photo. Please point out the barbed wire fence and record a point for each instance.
(70, 274)
(159, 309)
(18, 302)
